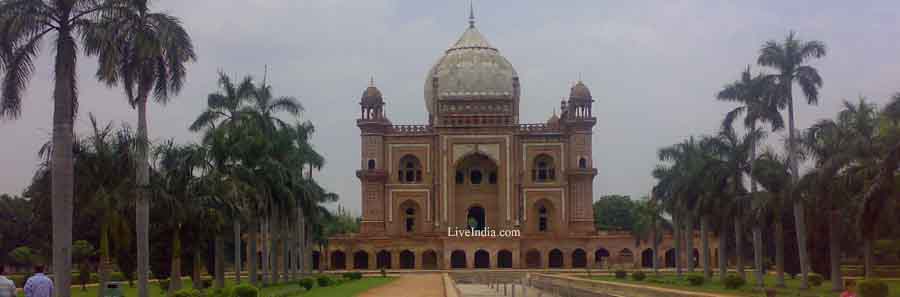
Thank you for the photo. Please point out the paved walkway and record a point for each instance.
(410, 285)
(480, 290)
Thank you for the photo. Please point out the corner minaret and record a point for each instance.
(373, 124)
(579, 123)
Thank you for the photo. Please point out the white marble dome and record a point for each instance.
(470, 69)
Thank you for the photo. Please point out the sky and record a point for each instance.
(653, 68)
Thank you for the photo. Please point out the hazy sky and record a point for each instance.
(653, 68)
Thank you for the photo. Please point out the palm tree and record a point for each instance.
(648, 223)
(147, 52)
(220, 121)
(683, 182)
(790, 58)
(882, 182)
(105, 165)
(757, 104)
(23, 26)
(773, 173)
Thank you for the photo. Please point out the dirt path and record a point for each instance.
(410, 285)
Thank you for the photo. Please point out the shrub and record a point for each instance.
(621, 274)
(695, 280)
(352, 275)
(733, 281)
(163, 284)
(872, 288)
(325, 281)
(187, 293)
(638, 275)
(815, 280)
(116, 276)
(307, 283)
(218, 292)
(244, 291)
(206, 282)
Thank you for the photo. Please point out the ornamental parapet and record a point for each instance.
(411, 129)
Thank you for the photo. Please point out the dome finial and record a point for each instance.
(371, 80)
(471, 14)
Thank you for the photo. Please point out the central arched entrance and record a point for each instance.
(476, 192)
(504, 259)
(482, 259)
(475, 218)
(407, 260)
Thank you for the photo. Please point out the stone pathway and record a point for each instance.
(410, 285)
(480, 290)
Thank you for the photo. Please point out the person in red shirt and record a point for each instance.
(849, 286)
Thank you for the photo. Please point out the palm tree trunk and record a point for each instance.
(196, 281)
(867, 256)
(275, 248)
(265, 250)
(799, 216)
(676, 229)
(739, 246)
(758, 255)
(62, 163)
(704, 236)
(104, 256)
(779, 252)
(220, 261)
(142, 205)
(756, 229)
(175, 274)
(689, 243)
(834, 249)
(252, 266)
(237, 251)
(723, 248)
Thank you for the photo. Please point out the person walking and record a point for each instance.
(39, 285)
(7, 286)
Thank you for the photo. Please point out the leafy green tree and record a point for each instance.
(790, 59)
(146, 53)
(23, 256)
(614, 212)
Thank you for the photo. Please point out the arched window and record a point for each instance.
(543, 169)
(582, 163)
(542, 219)
(460, 177)
(475, 176)
(410, 170)
(492, 178)
(410, 220)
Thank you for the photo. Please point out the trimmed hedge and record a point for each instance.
(307, 283)
(244, 291)
(695, 280)
(188, 293)
(733, 282)
(638, 275)
(352, 275)
(872, 288)
(325, 281)
(621, 274)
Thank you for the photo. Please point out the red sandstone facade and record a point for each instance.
(474, 165)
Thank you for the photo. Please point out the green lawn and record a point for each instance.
(348, 288)
(714, 286)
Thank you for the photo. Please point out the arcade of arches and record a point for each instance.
(474, 165)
